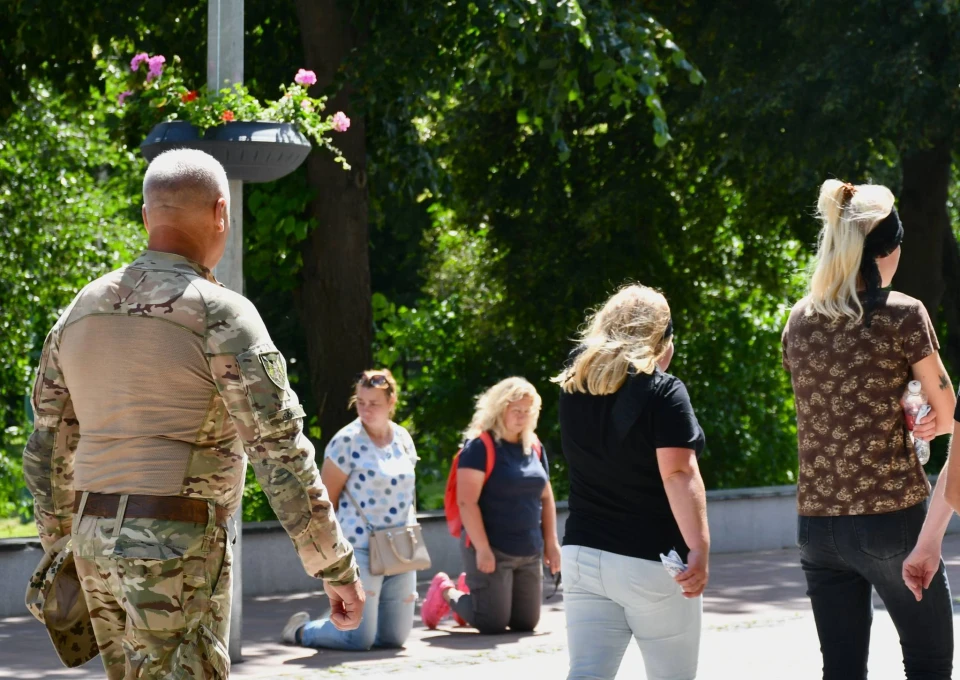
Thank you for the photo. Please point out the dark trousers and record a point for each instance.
(844, 560)
(509, 597)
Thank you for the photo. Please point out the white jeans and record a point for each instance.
(610, 598)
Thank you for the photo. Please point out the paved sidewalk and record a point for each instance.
(757, 625)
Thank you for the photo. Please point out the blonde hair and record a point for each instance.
(492, 404)
(390, 388)
(626, 333)
(848, 214)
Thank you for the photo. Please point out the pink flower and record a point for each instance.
(156, 66)
(340, 122)
(305, 77)
(306, 106)
(137, 60)
(123, 95)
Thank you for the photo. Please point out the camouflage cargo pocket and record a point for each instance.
(216, 658)
(273, 403)
(153, 593)
(216, 627)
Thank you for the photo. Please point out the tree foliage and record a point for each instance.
(523, 158)
(69, 212)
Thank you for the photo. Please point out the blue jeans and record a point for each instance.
(844, 559)
(387, 615)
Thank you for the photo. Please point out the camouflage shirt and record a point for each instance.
(156, 380)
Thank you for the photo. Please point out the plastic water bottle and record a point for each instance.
(915, 406)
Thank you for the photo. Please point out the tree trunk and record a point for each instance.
(923, 209)
(334, 295)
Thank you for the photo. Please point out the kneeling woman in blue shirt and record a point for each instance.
(510, 521)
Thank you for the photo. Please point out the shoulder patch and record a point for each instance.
(274, 368)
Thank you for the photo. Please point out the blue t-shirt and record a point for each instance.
(510, 501)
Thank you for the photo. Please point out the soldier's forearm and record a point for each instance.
(50, 527)
(341, 573)
(38, 468)
(325, 554)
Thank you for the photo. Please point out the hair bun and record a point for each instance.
(848, 191)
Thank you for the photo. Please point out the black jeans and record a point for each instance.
(844, 559)
(510, 596)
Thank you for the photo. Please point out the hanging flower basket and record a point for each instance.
(261, 151)
(254, 141)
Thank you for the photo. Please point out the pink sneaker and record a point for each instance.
(435, 607)
(462, 587)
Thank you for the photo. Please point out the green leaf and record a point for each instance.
(602, 79)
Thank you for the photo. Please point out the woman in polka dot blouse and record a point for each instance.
(373, 459)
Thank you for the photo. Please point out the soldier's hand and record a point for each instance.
(346, 604)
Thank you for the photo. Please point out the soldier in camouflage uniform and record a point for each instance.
(152, 385)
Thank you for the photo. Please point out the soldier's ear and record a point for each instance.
(221, 214)
(143, 211)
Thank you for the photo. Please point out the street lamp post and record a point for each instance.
(225, 67)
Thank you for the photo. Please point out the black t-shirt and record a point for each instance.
(510, 500)
(617, 500)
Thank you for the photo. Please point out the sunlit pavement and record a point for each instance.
(757, 624)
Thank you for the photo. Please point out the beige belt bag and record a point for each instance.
(395, 550)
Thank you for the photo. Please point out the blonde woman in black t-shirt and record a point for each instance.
(631, 441)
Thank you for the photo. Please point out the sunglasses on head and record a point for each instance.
(377, 380)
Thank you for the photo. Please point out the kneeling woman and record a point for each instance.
(510, 519)
(369, 472)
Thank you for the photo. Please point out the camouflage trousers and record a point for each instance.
(159, 595)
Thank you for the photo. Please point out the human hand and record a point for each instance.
(694, 579)
(486, 562)
(921, 565)
(551, 555)
(346, 604)
(926, 428)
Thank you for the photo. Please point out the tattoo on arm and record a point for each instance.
(944, 382)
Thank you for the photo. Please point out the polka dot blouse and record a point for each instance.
(381, 480)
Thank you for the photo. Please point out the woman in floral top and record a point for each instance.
(851, 347)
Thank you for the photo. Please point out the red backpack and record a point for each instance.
(451, 506)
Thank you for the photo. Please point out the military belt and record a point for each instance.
(172, 508)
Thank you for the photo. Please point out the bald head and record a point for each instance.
(186, 205)
(184, 178)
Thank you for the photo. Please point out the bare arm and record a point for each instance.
(334, 479)
(951, 471)
(923, 562)
(548, 516)
(688, 501)
(939, 390)
(939, 514)
(548, 523)
(469, 486)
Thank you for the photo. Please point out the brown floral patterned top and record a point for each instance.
(855, 457)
